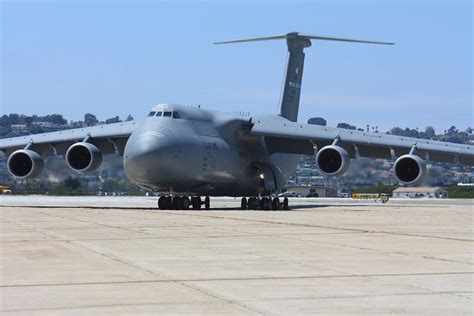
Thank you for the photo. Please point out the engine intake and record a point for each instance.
(25, 164)
(410, 169)
(333, 160)
(83, 157)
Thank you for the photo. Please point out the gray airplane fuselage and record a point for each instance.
(191, 150)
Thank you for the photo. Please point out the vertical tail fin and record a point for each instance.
(291, 90)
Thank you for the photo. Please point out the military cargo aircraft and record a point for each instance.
(187, 153)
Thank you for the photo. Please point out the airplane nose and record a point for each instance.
(149, 157)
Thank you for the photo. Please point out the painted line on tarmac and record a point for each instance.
(263, 278)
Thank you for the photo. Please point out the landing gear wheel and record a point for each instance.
(264, 204)
(207, 203)
(243, 204)
(196, 202)
(162, 203)
(178, 202)
(285, 203)
(175, 203)
(184, 203)
(276, 204)
(253, 203)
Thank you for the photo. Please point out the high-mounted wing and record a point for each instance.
(299, 138)
(106, 137)
(82, 147)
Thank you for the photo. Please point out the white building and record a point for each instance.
(420, 192)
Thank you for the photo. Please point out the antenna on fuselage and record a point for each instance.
(296, 42)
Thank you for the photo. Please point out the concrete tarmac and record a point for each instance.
(120, 255)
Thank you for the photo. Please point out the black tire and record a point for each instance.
(162, 203)
(243, 204)
(276, 204)
(207, 203)
(185, 203)
(175, 203)
(168, 203)
(252, 203)
(264, 204)
(285, 203)
(196, 201)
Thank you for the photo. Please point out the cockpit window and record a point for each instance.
(152, 113)
(176, 115)
(167, 114)
(159, 113)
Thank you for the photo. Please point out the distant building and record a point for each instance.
(19, 128)
(465, 184)
(314, 190)
(420, 192)
(50, 127)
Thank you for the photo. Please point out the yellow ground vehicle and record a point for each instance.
(382, 197)
(5, 190)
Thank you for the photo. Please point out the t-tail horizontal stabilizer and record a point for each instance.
(290, 96)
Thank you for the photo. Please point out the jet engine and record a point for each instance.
(83, 157)
(333, 160)
(410, 169)
(25, 164)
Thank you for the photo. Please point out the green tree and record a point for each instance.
(70, 186)
(346, 126)
(317, 121)
(429, 132)
(112, 120)
(459, 192)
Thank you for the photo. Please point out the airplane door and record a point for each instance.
(209, 154)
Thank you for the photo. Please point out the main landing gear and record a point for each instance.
(183, 203)
(264, 203)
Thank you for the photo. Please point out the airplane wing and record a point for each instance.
(292, 137)
(109, 138)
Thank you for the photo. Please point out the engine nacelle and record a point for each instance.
(410, 169)
(25, 164)
(83, 157)
(333, 160)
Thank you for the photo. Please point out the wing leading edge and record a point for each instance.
(108, 138)
(361, 144)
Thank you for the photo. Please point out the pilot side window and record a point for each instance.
(167, 114)
(152, 113)
(159, 113)
(176, 115)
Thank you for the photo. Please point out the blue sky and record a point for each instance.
(115, 58)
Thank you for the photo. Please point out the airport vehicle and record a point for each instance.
(5, 190)
(382, 197)
(289, 194)
(189, 153)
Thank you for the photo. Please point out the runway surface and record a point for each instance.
(120, 255)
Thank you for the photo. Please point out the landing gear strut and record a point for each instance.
(182, 203)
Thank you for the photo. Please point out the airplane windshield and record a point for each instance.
(165, 114)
